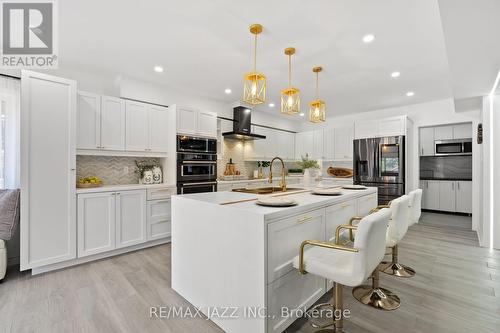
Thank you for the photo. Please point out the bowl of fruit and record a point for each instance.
(89, 182)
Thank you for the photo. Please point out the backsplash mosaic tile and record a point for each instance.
(113, 170)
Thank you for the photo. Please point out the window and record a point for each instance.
(9, 132)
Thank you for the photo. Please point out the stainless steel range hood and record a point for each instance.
(242, 124)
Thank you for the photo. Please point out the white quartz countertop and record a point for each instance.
(223, 181)
(111, 188)
(306, 201)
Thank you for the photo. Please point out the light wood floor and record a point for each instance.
(456, 289)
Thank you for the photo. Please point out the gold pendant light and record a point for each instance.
(254, 84)
(317, 108)
(290, 97)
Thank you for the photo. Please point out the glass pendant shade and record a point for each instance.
(254, 83)
(290, 97)
(317, 108)
(290, 101)
(317, 111)
(254, 88)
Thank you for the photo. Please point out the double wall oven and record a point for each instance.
(196, 165)
(380, 162)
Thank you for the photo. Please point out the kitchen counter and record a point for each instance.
(240, 255)
(111, 188)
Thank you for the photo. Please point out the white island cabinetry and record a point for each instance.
(244, 244)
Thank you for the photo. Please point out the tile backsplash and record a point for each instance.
(113, 170)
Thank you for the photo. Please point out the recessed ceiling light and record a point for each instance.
(158, 69)
(410, 93)
(271, 105)
(368, 38)
(395, 74)
(228, 91)
(301, 114)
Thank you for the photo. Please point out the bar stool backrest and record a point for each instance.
(416, 206)
(370, 241)
(398, 224)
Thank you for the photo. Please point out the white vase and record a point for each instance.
(308, 177)
(147, 177)
(157, 175)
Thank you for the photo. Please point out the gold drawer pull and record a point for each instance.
(305, 219)
(344, 205)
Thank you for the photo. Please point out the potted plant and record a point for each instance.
(308, 166)
(149, 171)
(261, 165)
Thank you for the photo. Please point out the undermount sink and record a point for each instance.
(266, 190)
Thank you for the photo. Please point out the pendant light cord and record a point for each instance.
(289, 71)
(255, 54)
(317, 85)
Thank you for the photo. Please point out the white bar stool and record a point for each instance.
(345, 265)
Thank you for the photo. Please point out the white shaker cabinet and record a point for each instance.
(337, 215)
(443, 132)
(304, 143)
(426, 141)
(158, 132)
(48, 163)
(159, 220)
(430, 194)
(462, 131)
(130, 218)
(96, 223)
(366, 129)
(186, 121)
(137, 126)
(343, 141)
(207, 124)
(447, 196)
(88, 131)
(112, 123)
(329, 144)
(463, 190)
(365, 204)
(318, 144)
(374, 128)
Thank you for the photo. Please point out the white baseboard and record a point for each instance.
(78, 261)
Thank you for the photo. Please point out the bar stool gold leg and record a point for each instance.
(395, 268)
(338, 314)
(375, 296)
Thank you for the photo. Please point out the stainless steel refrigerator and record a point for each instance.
(380, 162)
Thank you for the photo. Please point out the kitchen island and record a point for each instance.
(234, 261)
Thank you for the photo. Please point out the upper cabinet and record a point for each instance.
(100, 122)
(328, 144)
(115, 124)
(392, 126)
(146, 127)
(427, 141)
(196, 122)
(277, 143)
(428, 136)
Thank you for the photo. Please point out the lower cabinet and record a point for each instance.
(337, 215)
(447, 196)
(159, 219)
(130, 218)
(366, 204)
(96, 223)
(112, 220)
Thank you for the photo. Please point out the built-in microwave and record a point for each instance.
(453, 147)
(190, 144)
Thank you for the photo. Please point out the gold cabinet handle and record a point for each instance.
(344, 205)
(305, 219)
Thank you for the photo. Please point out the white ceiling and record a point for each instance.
(205, 47)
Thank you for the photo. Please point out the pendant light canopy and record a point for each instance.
(290, 97)
(254, 85)
(317, 108)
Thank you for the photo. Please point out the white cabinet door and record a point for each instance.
(336, 215)
(366, 203)
(318, 144)
(392, 126)
(343, 143)
(285, 236)
(158, 135)
(329, 143)
(430, 194)
(443, 132)
(96, 223)
(289, 145)
(137, 133)
(159, 221)
(88, 122)
(261, 146)
(366, 129)
(462, 131)
(427, 141)
(304, 144)
(186, 121)
(112, 123)
(463, 196)
(130, 218)
(48, 164)
(447, 196)
(207, 124)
